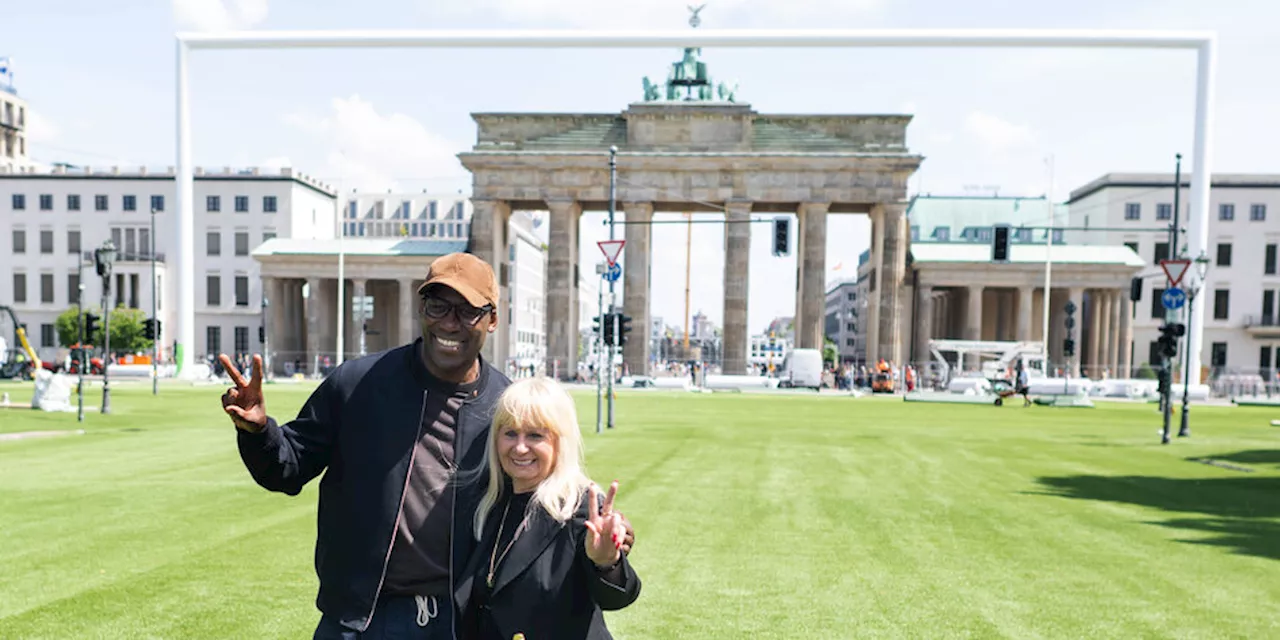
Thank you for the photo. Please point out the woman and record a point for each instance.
(548, 560)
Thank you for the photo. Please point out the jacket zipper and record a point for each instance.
(413, 454)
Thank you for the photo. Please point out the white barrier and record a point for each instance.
(740, 382)
(970, 386)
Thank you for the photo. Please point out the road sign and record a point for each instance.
(613, 273)
(611, 249)
(1173, 298)
(1174, 270)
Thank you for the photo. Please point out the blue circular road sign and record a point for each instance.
(614, 272)
(1173, 298)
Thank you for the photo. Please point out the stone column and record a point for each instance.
(408, 306)
(1095, 334)
(874, 288)
(1026, 297)
(924, 326)
(1076, 297)
(1113, 332)
(737, 269)
(313, 310)
(811, 257)
(488, 241)
(1110, 340)
(1126, 336)
(892, 282)
(973, 323)
(562, 289)
(358, 316)
(636, 282)
(268, 317)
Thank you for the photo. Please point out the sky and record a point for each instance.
(99, 80)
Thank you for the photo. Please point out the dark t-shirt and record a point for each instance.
(419, 563)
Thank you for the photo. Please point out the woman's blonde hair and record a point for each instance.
(538, 403)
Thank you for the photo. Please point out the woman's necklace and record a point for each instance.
(494, 558)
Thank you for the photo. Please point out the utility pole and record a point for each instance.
(155, 342)
(600, 271)
(613, 300)
(80, 317)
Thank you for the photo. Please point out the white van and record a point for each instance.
(803, 368)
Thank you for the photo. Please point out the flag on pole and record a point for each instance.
(6, 70)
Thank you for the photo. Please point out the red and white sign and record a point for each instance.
(1174, 270)
(611, 249)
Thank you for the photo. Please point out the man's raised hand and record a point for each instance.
(243, 402)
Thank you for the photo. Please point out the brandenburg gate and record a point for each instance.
(679, 150)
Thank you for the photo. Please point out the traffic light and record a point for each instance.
(159, 329)
(1168, 341)
(262, 334)
(1000, 239)
(1068, 347)
(781, 235)
(608, 329)
(90, 327)
(149, 328)
(1135, 289)
(624, 326)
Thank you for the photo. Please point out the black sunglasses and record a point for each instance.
(437, 308)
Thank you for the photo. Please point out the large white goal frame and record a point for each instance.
(1203, 43)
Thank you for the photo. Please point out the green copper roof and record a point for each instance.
(958, 218)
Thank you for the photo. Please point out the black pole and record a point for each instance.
(106, 342)
(1185, 429)
(1174, 253)
(155, 341)
(613, 315)
(1166, 395)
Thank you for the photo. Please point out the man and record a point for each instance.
(394, 430)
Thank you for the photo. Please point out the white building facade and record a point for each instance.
(841, 319)
(54, 220)
(13, 131)
(1242, 289)
(528, 258)
(409, 215)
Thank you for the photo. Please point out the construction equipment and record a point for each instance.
(996, 357)
(22, 362)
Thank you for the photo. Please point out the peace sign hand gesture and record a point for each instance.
(244, 402)
(605, 529)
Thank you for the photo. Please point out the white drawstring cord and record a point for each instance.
(428, 608)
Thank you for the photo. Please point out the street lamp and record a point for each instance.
(1202, 268)
(103, 258)
(155, 340)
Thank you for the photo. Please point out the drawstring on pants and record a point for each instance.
(428, 608)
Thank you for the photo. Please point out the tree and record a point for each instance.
(127, 331)
(68, 327)
(829, 352)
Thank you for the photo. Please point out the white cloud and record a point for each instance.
(40, 128)
(219, 15)
(998, 134)
(368, 150)
(662, 14)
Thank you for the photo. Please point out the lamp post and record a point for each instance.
(82, 358)
(1202, 268)
(103, 258)
(155, 322)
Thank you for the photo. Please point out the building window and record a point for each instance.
(1218, 357)
(1022, 235)
(268, 204)
(1164, 211)
(1157, 307)
(19, 240)
(20, 288)
(213, 291)
(1226, 212)
(213, 340)
(1221, 304)
(1264, 359)
(942, 234)
(1257, 212)
(1132, 246)
(46, 202)
(48, 337)
(242, 204)
(268, 235)
(1133, 211)
(1057, 236)
(242, 340)
(73, 202)
(46, 241)
(19, 202)
(850, 327)
(73, 289)
(213, 203)
(1162, 252)
(213, 244)
(1269, 261)
(1224, 254)
(242, 243)
(99, 203)
(157, 203)
(129, 203)
(46, 288)
(242, 291)
(1268, 307)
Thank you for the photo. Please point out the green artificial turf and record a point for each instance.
(758, 516)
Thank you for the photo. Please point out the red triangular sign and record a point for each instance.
(1174, 270)
(611, 249)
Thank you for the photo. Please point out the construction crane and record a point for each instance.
(15, 367)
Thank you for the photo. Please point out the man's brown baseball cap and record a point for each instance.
(468, 275)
